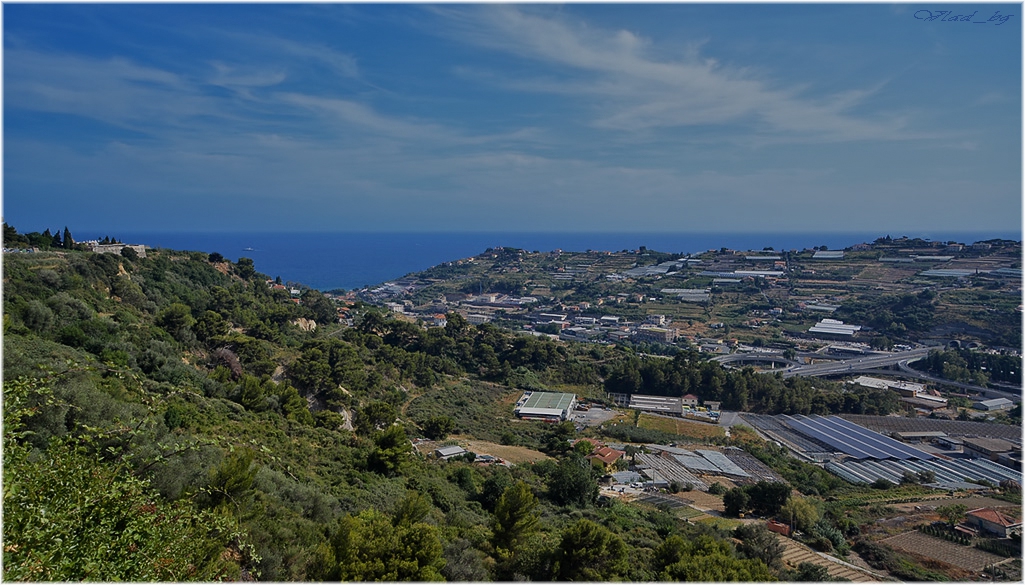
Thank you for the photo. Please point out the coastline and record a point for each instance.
(349, 260)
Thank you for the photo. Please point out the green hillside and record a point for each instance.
(176, 417)
(167, 419)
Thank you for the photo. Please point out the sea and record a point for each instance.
(348, 261)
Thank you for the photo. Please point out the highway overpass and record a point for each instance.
(877, 363)
(857, 364)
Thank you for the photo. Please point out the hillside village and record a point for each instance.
(722, 299)
(776, 311)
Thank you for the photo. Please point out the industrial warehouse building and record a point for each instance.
(834, 329)
(546, 406)
(662, 404)
(913, 395)
(991, 449)
(906, 388)
(994, 404)
(449, 452)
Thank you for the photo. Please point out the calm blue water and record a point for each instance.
(352, 260)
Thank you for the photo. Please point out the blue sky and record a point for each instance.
(535, 117)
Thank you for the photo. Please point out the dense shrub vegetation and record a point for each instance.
(962, 365)
(166, 418)
(743, 390)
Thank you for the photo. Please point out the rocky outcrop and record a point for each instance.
(305, 324)
(231, 360)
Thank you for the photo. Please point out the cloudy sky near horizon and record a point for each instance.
(536, 117)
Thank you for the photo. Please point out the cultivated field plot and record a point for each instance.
(957, 428)
(964, 557)
(660, 500)
(688, 513)
(972, 503)
(795, 553)
(695, 430)
(886, 274)
(708, 502)
(510, 453)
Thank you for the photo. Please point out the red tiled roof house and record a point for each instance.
(993, 522)
(607, 455)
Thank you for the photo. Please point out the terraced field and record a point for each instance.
(678, 505)
(964, 557)
(795, 553)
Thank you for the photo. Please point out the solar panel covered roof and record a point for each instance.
(698, 463)
(853, 440)
(553, 400)
(722, 462)
(668, 449)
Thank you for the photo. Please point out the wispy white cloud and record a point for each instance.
(615, 73)
(990, 98)
(352, 113)
(598, 121)
(244, 77)
(341, 63)
(115, 90)
(173, 105)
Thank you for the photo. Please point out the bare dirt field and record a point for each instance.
(620, 418)
(510, 398)
(704, 502)
(972, 503)
(508, 452)
(964, 557)
(887, 274)
(593, 417)
(697, 430)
